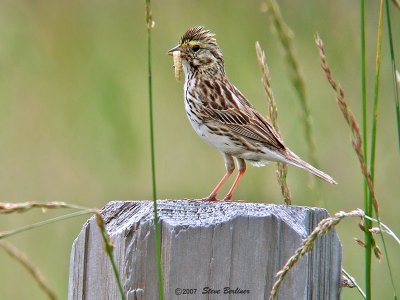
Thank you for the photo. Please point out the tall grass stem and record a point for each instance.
(109, 248)
(376, 98)
(157, 235)
(393, 63)
(367, 234)
(375, 119)
(272, 109)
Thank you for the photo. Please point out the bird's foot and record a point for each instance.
(228, 198)
(211, 198)
(231, 200)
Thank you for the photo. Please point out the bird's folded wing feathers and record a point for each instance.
(250, 125)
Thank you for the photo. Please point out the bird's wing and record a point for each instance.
(253, 126)
(230, 108)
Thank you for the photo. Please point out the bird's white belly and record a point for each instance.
(221, 142)
(224, 144)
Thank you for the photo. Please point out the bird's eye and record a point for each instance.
(196, 48)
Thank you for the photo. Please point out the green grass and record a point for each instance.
(157, 233)
(393, 63)
(367, 205)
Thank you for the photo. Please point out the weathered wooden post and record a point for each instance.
(209, 251)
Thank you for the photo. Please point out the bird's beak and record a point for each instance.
(177, 48)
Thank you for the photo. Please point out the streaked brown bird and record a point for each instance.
(223, 117)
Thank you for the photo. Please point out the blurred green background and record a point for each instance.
(74, 117)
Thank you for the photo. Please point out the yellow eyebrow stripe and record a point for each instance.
(192, 43)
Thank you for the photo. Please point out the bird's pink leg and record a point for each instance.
(242, 169)
(213, 195)
(230, 166)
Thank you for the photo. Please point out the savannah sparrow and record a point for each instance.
(223, 117)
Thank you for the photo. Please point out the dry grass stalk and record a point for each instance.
(24, 261)
(109, 248)
(349, 282)
(350, 119)
(383, 228)
(7, 208)
(281, 174)
(360, 242)
(377, 250)
(282, 170)
(285, 35)
(322, 228)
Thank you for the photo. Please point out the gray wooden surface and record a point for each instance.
(228, 250)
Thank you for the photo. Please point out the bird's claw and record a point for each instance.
(211, 198)
(231, 200)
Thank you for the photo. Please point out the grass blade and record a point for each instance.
(393, 63)
(352, 280)
(109, 248)
(9, 233)
(150, 25)
(375, 119)
(21, 207)
(157, 236)
(376, 97)
(374, 133)
(367, 234)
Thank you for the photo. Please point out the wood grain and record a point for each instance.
(209, 250)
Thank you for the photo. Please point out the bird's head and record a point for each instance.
(199, 50)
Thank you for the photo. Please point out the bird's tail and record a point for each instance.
(298, 162)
